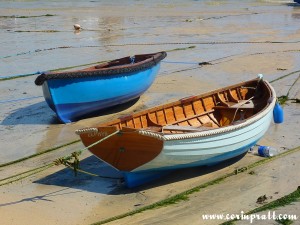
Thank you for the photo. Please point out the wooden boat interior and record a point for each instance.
(121, 63)
(124, 61)
(215, 109)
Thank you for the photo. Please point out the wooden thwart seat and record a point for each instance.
(203, 127)
(243, 104)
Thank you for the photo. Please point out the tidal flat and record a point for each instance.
(210, 44)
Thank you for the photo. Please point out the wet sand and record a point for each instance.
(239, 40)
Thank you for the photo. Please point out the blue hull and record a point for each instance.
(72, 99)
(134, 179)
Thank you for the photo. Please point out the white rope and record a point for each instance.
(86, 130)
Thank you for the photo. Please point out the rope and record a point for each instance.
(19, 76)
(201, 63)
(152, 44)
(19, 99)
(64, 160)
(283, 98)
(194, 63)
(279, 78)
(203, 43)
(23, 175)
(92, 174)
(54, 70)
(75, 164)
(237, 108)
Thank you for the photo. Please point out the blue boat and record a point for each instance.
(75, 94)
(195, 131)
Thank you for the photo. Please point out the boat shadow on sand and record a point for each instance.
(40, 113)
(109, 180)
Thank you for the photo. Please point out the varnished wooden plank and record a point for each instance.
(188, 110)
(161, 117)
(198, 107)
(170, 115)
(179, 112)
(208, 102)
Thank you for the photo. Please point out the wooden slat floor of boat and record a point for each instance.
(186, 124)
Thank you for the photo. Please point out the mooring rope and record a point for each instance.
(203, 43)
(154, 44)
(75, 164)
(2, 78)
(180, 62)
(63, 160)
(8, 77)
(19, 99)
(283, 98)
(237, 108)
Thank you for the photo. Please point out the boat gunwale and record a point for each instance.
(150, 61)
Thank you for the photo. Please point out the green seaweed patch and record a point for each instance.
(241, 170)
(185, 195)
(228, 223)
(283, 201)
(284, 221)
(252, 172)
(282, 99)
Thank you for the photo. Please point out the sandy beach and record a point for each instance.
(238, 39)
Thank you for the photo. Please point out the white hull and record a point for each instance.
(208, 150)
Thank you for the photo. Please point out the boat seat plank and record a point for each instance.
(185, 128)
(243, 104)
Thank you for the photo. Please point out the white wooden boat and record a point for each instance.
(195, 131)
